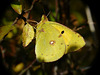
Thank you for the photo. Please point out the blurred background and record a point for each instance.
(82, 15)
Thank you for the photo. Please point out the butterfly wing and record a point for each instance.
(50, 45)
(73, 40)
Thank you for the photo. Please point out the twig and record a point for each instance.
(43, 68)
(30, 65)
(57, 9)
(91, 25)
(55, 70)
(15, 21)
(64, 72)
(79, 28)
(32, 21)
(48, 13)
(33, 2)
(27, 12)
(3, 56)
(2, 51)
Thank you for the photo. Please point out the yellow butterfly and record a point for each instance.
(53, 40)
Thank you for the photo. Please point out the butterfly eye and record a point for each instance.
(62, 32)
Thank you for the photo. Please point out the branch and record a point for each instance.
(30, 65)
(33, 2)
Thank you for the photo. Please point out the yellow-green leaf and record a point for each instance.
(27, 35)
(4, 30)
(17, 8)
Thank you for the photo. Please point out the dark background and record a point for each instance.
(3, 5)
(94, 6)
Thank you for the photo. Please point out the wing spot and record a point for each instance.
(52, 54)
(78, 35)
(52, 42)
(67, 45)
(61, 43)
(62, 32)
(41, 53)
(59, 35)
(42, 30)
(75, 33)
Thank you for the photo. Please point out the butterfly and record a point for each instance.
(53, 40)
